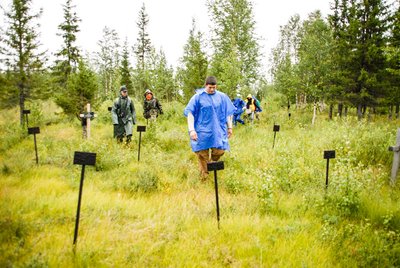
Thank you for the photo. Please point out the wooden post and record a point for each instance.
(88, 121)
(86, 117)
(396, 158)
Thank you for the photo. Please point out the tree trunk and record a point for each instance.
(359, 111)
(314, 113)
(397, 111)
(346, 109)
(340, 109)
(21, 104)
(369, 114)
(363, 109)
(390, 111)
(331, 111)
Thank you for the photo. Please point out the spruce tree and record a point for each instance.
(162, 77)
(142, 50)
(392, 97)
(69, 55)
(20, 50)
(82, 87)
(193, 65)
(125, 69)
(359, 30)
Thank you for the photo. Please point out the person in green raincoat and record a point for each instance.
(123, 116)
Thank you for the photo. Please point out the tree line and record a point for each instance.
(74, 79)
(349, 59)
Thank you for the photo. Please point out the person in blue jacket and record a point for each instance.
(209, 116)
(239, 104)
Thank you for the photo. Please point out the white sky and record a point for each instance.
(169, 21)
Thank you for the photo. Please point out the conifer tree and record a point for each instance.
(162, 77)
(20, 50)
(125, 69)
(82, 87)
(359, 30)
(393, 60)
(193, 64)
(142, 50)
(69, 55)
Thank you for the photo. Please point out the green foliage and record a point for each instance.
(273, 202)
(162, 78)
(266, 193)
(125, 68)
(69, 56)
(147, 182)
(80, 90)
(108, 63)
(194, 64)
(20, 47)
(8, 98)
(234, 42)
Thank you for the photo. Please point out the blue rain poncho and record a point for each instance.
(210, 112)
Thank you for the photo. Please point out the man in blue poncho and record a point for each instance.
(209, 115)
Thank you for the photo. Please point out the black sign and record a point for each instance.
(276, 128)
(215, 165)
(141, 128)
(329, 154)
(26, 111)
(33, 130)
(87, 115)
(82, 158)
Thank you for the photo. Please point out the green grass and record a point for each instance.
(275, 210)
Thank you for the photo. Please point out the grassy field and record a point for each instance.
(275, 210)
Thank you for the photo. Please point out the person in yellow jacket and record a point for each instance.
(250, 107)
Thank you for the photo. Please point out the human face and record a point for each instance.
(124, 93)
(211, 89)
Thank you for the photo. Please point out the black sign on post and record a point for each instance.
(275, 129)
(34, 131)
(216, 166)
(140, 129)
(82, 158)
(26, 112)
(328, 155)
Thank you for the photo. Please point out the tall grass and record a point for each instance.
(275, 210)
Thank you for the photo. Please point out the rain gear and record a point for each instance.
(123, 116)
(151, 106)
(239, 104)
(210, 112)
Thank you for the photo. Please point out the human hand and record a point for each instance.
(193, 135)
(230, 132)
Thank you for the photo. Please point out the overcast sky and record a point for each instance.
(170, 21)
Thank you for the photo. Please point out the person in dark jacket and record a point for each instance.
(151, 106)
(123, 116)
